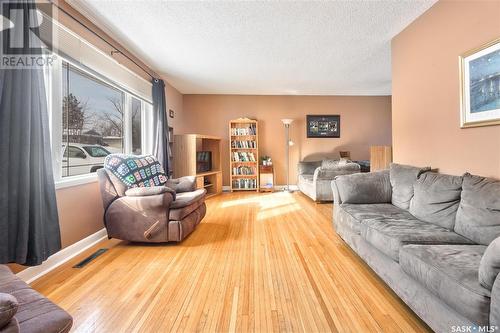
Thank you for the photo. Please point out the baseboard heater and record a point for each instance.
(87, 260)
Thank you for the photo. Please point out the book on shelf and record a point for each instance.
(244, 170)
(244, 183)
(243, 156)
(243, 144)
(250, 130)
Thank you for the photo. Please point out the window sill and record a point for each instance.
(76, 181)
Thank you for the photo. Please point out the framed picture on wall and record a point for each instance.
(320, 126)
(480, 86)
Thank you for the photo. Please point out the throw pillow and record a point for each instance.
(489, 267)
(402, 179)
(8, 308)
(136, 171)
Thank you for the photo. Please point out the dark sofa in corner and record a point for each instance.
(433, 238)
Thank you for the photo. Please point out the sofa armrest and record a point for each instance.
(495, 303)
(8, 308)
(148, 191)
(363, 188)
(307, 168)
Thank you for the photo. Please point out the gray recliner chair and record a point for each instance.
(151, 214)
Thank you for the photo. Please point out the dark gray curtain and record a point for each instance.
(160, 121)
(29, 224)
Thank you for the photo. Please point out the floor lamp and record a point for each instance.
(288, 143)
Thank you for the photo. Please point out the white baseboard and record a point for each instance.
(293, 187)
(32, 273)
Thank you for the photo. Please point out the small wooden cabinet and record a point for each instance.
(186, 148)
(266, 183)
(380, 157)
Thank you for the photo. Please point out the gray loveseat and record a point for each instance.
(433, 238)
(314, 178)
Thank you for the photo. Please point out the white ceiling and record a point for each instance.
(262, 47)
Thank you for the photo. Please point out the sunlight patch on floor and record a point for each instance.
(264, 201)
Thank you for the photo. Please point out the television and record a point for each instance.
(203, 161)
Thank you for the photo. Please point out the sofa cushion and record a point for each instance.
(353, 215)
(402, 179)
(389, 234)
(8, 308)
(436, 198)
(370, 187)
(450, 273)
(183, 184)
(490, 264)
(478, 216)
(187, 198)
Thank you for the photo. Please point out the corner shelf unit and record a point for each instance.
(185, 150)
(244, 154)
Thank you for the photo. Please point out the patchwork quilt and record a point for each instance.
(136, 171)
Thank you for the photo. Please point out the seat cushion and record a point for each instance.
(478, 216)
(187, 198)
(353, 214)
(436, 198)
(450, 272)
(402, 179)
(389, 234)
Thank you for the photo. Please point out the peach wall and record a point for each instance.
(425, 89)
(365, 121)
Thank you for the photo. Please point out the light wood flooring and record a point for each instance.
(258, 262)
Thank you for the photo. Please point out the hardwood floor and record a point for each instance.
(257, 262)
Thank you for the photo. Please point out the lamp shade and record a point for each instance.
(287, 121)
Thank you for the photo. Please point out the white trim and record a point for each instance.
(76, 180)
(33, 273)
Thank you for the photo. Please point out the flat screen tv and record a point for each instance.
(203, 161)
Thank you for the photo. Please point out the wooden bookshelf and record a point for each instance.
(185, 148)
(244, 154)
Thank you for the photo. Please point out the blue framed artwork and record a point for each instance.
(480, 86)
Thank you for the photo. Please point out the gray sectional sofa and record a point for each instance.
(315, 177)
(433, 238)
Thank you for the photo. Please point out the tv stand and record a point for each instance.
(184, 150)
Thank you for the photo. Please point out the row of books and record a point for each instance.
(250, 130)
(244, 170)
(244, 183)
(243, 144)
(243, 156)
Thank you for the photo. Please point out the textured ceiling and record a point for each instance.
(262, 47)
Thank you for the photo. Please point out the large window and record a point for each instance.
(91, 118)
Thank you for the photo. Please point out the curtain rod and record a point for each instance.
(115, 50)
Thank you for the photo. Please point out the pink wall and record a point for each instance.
(425, 89)
(364, 121)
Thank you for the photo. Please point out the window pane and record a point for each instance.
(135, 110)
(92, 122)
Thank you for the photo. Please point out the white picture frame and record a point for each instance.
(480, 86)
